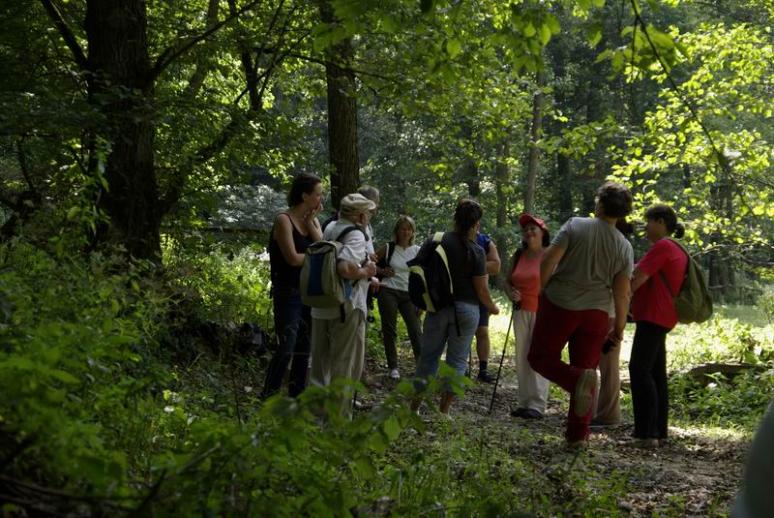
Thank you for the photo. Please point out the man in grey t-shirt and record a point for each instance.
(585, 270)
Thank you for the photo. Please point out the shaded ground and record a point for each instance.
(696, 474)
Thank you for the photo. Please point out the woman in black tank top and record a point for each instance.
(293, 231)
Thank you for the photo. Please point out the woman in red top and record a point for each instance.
(657, 278)
(525, 289)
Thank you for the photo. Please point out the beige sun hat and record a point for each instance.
(354, 204)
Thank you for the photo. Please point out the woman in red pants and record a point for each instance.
(587, 267)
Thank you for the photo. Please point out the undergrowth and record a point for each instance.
(116, 401)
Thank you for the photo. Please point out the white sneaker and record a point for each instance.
(395, 374)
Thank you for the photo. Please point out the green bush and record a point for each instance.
(766, 303)
(76, 341)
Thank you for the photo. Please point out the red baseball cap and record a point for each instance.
(526, 219)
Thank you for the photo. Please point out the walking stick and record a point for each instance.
(502, 357)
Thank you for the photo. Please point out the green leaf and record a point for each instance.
(553, 24)
(529, 30)
(618, 61)
(599, 3)
(453, 48)
(390, 24)
(391, 428)
(64, 377)
(545, 34)
(594, 34)
(364, 468)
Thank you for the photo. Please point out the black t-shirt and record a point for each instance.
(465, 262)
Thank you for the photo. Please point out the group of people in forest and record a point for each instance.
(575, 290)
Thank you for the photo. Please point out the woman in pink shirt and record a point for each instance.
(525, 290)
(657, 279)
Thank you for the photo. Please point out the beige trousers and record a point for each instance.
(533, 388)
(608, 404)
(338, 348)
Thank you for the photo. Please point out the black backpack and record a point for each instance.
(430, 281)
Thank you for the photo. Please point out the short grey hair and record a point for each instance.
(370, 192)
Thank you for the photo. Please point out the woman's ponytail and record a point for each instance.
(679, 230)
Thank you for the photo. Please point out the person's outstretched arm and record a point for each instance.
(481, 287)
(492, 260)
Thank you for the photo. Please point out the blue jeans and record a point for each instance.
(440, 332)
(292, 323)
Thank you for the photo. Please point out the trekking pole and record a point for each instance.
(502, 357)
(470, 363)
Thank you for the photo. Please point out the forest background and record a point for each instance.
(145, 147)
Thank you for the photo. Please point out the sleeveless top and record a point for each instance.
(284, 275)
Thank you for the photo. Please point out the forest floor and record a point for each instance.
(697, 473)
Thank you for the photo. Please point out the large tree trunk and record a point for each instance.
(502, 178)
(534, 151)
(120, 67)
(722, 279)
(342, 114)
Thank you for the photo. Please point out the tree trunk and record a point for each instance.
(120, 70)
(534, 151)
(469, 175)
(565, 191)
(342, 114)
(721, 275)
(502, 178)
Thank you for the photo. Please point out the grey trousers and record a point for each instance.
(390, 303)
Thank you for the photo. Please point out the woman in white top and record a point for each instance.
(393, 294)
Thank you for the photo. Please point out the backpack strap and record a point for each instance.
(687, 265)
(437, 238)
(339, 238)
(349, 229)
(441, 251)
(390, 250)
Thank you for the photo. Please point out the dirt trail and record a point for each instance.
(693, 475)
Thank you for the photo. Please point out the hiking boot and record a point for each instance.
(485, 377)
(527, 413)
(531, 413)
(585, 392)
(519, 412)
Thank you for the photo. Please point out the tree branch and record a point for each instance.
(202, 69)
(356, 71)
(168, 56)
(67, 34)
(23, 165)
(721, 159)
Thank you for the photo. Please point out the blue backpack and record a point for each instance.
(320, 283)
